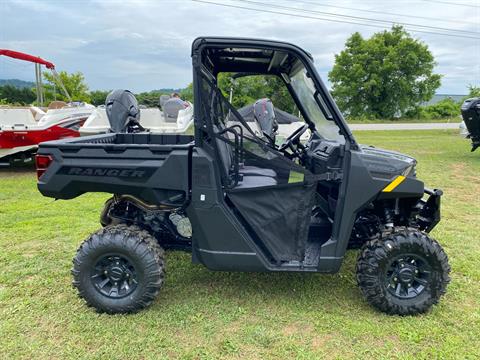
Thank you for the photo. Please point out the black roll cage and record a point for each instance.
(202, 43)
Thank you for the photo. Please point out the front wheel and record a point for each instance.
(119, 269)
(404, 273)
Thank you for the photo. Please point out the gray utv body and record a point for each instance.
(250, 207)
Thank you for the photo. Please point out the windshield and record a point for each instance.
(304, 88)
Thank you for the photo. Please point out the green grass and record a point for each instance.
(202, 314)
(403, 120)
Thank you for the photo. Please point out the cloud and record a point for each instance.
(144, 45)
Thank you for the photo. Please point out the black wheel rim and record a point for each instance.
(407, 276)
(114, 276)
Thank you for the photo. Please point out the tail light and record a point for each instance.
(41, 163)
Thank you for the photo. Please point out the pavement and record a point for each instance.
(410, 126)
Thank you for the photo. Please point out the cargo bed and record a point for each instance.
(152, 167)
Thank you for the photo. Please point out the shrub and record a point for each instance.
(443, 109)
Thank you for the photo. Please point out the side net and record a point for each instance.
(273, 194)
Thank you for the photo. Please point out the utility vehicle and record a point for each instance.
(471, 119)
(239, 202)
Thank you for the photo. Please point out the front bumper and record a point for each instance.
(428, 214)
(475, 142)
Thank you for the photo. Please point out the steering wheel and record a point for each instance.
(293, 139)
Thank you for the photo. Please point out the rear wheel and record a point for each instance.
(404, 273)
(119, 269)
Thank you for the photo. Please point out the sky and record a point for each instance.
(145, 45)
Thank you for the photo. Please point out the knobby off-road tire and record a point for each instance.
(356, 243)
(403, 273)
(119, 269)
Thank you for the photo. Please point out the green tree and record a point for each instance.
(74, 83)
(445, 108)
(383, 76)
(187, 93)
(98, 97)
(18, 96)
(151, 98)
(473, 91)
(248, 89)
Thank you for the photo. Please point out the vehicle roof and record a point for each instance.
(239, 41)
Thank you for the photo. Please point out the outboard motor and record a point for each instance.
(264, 113)
(123, 112)
(471, 116)
(163, 99)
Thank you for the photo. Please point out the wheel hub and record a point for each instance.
(407, 276)
(116, 273)
(114, 276)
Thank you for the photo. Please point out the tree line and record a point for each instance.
(78, 90)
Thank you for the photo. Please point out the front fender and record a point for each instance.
(429, 210)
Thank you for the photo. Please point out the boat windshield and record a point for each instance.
(304, 88)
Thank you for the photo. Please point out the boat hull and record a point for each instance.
(23, 139)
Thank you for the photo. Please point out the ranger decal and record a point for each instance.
(138, 173)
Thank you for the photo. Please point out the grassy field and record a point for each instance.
(209, 315)
(455, 119)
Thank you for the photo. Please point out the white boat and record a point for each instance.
(23, 128)
(463, 130)
(153, 119)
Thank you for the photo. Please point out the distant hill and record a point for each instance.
(439, 97)
(17, 83)
(166, 90)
